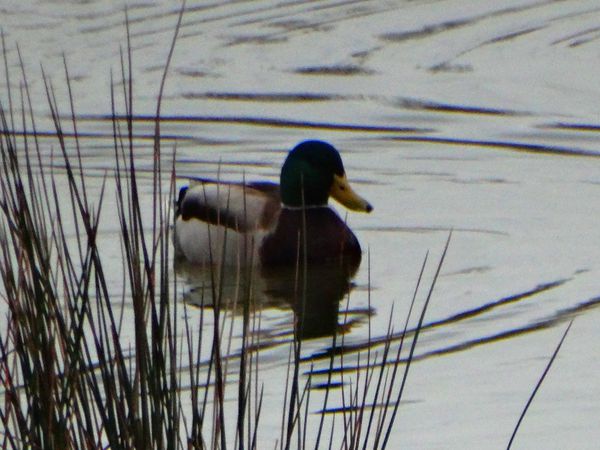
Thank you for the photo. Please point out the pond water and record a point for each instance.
(475, 117)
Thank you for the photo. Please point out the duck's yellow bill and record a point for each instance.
(343, 193)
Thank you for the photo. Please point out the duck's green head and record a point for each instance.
(312, 172)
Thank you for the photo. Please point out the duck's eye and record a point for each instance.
(342, 187)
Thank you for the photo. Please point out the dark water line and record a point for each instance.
(468, 314)
(560, 317)
(424, 229)
(572, 127)
(98, 135)
(448, 108)
(496, 304)
(450, 25)
(261, 121)
(279, 97)
(516, 146)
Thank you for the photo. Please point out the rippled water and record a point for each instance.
(476, 117)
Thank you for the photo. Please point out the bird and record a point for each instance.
(263, 223)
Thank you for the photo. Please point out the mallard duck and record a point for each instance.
(269, 224)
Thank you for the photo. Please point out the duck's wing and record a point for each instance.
(244, 208)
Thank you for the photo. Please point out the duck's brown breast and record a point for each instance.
(318, 231)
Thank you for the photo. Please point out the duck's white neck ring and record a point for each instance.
(298, 208)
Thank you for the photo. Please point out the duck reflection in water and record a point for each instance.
(306, 253)
(313, 295)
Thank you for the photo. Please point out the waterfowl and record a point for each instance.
(269, 224)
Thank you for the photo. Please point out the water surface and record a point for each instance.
(479, 118)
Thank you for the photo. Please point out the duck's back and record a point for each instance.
(217, 221)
